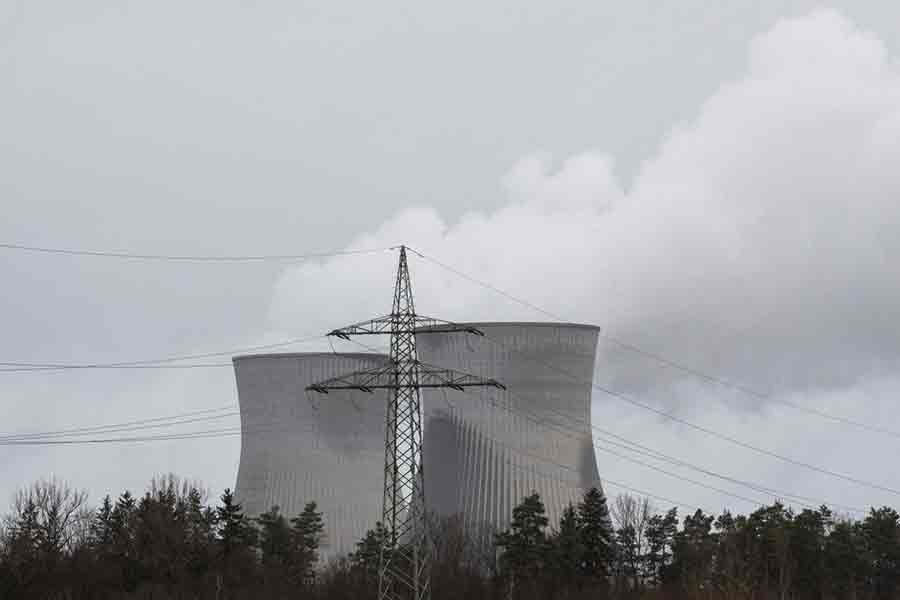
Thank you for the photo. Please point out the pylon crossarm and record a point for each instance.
(411, 324)
(385, 378)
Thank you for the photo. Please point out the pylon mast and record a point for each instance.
(403, 572)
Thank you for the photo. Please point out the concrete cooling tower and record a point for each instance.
(298, 446)
(484, 449)
(480, 460)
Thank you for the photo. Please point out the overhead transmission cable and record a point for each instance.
(279, 427)
(154, 362)
(599, 482)
(151, 362)
(709, 431)
(802, 500)
(152, 423)
(543, 423)
(75, 367)
(667, 415)
(188, 257)
(246, 429)
(556, 464)
(667, 362)
(568, 431)
(632, 446)
(559, 465)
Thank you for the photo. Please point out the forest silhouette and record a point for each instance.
(172, 543)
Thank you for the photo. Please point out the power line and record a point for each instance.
(650, 453)
(669, 363)
(636, 448)
(758, 488)
(148, 438)
(149, 423)
(155, 422)
(707, 430)
(158, 363)
(40, 438)
(37, 437)
(187, 257)
(266, 428)
(187, 435)
(748, 391)
(154, 362)
(701, 428)
(98, 367)
(569, 430)
(663, 360)
(489, 286)
(543, 423)
(601, 481)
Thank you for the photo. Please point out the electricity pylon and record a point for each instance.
(403, 570)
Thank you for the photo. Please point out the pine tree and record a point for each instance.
(597, 536)
(101, 526)
(661, 532)
(368, 551)
(881, 532)
(306, 534)
(694, 550)
(810, 529)
(274, 538)
(235, 531)
(568, 551)
(525, 545)
(23, 547)
(101, 542)
(845, 560)
(124, 551)
(731, 570)
(201, 525)
(275, 547)
(159, 537)
(236, 538)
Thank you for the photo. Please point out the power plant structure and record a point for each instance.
(489, 449)
(484, 450)
(298, 447)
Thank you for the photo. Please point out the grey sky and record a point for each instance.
(226, 128)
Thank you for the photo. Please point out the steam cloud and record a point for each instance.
(758, 244)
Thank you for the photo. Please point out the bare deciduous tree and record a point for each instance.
(178, 488)
(62, 517)
(633, 513)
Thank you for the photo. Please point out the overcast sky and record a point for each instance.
(714, 182)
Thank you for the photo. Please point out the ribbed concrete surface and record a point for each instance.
(480, 459)
(298, 447)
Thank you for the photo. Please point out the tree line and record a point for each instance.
(172, 543)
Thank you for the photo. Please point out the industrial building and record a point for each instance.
(298, 447)
(484, 449)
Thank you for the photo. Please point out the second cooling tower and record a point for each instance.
(486, 449)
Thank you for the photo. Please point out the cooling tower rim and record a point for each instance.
(276, 355)
(559, 324)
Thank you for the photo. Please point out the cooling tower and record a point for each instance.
(481, 459)
(299, 446)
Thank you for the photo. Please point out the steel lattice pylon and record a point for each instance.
(403, 572)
